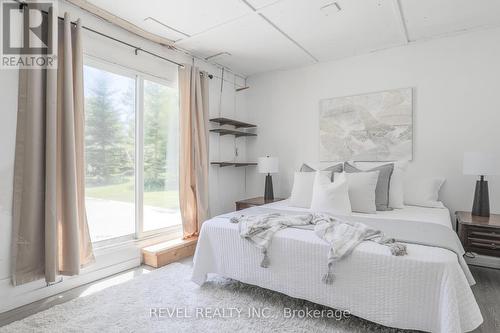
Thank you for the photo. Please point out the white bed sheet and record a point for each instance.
(425, 290)
(410, 213)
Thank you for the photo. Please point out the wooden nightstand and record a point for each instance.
(259, 201)
(479, 234)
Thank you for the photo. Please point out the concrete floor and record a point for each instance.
(110, 218)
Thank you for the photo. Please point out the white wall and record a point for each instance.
(225, 185)
(457, 108)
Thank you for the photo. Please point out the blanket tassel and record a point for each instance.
(397, 249)
(328, 277)
(265, 261)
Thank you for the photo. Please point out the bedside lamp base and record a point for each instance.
(268, 192)
(481, 205)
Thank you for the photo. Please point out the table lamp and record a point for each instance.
(268, 165)
(481, 164)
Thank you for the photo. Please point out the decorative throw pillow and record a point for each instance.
(338, 167)
(361, 191)
(383, 184)
(423, 192)
(306, 168)
(396, 185)
(331, 197)
(302, 189)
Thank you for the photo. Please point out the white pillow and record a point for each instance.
(362, 187)
(423, 192)
(302, 189)
(331, 197)
(396, 185)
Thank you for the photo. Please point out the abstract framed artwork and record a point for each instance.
(369, 127)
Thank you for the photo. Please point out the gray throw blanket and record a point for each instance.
(342, 236)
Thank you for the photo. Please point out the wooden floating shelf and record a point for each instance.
(241, 89)
(235, 164)
(223, 131)
(232, 122)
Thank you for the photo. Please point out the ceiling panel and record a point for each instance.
(254, 45)
(358, 27)
(159, 28)
(257, 4)
(188, 16)
(430, 18)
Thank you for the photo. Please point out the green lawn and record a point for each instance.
(125, 192)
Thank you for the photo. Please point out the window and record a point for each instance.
(109, 153)
(131, 175)
(161, 142)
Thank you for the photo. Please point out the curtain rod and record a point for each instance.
(137, 48)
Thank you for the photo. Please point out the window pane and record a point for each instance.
(109, 153)
(161, 156)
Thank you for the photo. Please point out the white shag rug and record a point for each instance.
(220, 305)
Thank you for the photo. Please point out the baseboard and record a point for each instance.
(106, 264)
(484, 261)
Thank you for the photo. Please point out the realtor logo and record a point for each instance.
(28, 36)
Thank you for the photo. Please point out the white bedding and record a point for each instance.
(411, 213)
(425, 290)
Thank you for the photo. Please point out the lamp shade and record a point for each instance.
(481, 164)
(268, 164)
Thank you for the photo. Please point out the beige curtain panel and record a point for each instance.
(193, 164)
(50, 234)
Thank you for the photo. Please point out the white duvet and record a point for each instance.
(426, 290)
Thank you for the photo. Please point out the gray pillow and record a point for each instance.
(383, 183)
(306, 168)
(334, 168)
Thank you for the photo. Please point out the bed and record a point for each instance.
(425, 290)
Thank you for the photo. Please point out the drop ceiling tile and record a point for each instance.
(189, 16)
(430, 18)
(257, 4)
(329, 33)
(254, 45)
(159, 28)
(359, 27)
